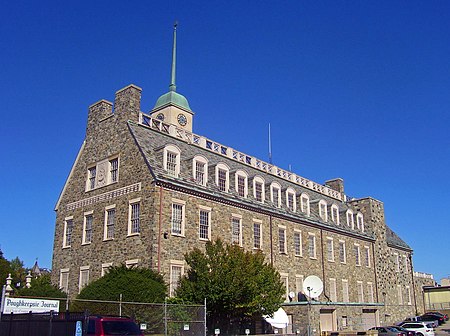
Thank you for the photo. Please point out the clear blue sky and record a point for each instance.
(352, 89)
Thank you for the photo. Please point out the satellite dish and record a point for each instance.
(312, 286)
(279, 319)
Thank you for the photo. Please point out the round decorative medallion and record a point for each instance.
(160, 116)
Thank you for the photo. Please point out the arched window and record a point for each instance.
(291, 202)
(275, 194)
(171, 160)
(335, 214)
(360, 221)
(200, 170)
(241, 183)
(223, 177)
(258, 189)
(323, 210)
(350, 219)
(304, 204)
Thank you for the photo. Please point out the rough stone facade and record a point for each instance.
(381, 286)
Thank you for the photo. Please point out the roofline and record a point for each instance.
(70, 175)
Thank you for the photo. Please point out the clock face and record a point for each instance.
(182, 119)
(160, 116)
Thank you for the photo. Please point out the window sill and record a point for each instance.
(299, 256)
(314, 258)
(84, 244)
(133, 234)
(204, 239)
(107, 239)
(66, 247)
(181, 235)
(332, 261)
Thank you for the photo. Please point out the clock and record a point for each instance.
(160, 116)
(181, 118)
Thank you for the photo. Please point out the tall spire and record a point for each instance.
(172, 86)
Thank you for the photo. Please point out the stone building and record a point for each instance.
(144, 189)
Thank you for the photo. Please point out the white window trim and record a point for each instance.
(314, 256)
(109, 169)
(276, 202)
(397, 262)
(290, 191)
(61, 272)
(285, 277)
(239, 217)
(335, 214)
(258, 221)
(183, 216)
(105, 224)
(345, 291)
(105, 267)
(399, 295)
(301, 243)
(130, 203)
(370, 297)
(408, 296)
(131, 262)
(87, 213)
(65, 245)
(224, 167)
(350, 219)
(358, 248)
(263, 192)
(367, 255)
(333, 286)
(174, 263)
(360, 221)
(324, 215)
(82, 269)
(345, 252)
(202, 159)
(299, 283)
(88, 182)
(236, 178)
(208, 209)
(305, 208)
(175, 150)
(329, 239)
(282, 227)
(360, 290)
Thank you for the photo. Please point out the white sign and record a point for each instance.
(21, 305)
(216, 331)
(186, 327)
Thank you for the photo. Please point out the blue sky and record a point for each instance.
(352, 89)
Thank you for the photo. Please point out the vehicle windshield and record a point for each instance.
(120, 328)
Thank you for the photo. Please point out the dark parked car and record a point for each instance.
(432, 317)
(112, 325)
(388, 331)
(408, 332)
(440, 316)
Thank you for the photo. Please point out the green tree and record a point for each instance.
(18, 272)
(237, 284)
(42, 287)
(5, 269)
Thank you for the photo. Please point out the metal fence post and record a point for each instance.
(165, 316)
(205, 317)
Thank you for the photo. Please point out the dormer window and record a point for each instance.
(258, 189)
(304, 204)
(172, 160)
(323, 210)
(290, 199)
(360, 221)
(241, 183)
(200, 170)
(275, 194)
(350, 219)
(335, 214)
(222, 177)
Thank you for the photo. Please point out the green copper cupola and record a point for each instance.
(172, 97)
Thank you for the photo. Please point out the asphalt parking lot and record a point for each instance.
(443, 330)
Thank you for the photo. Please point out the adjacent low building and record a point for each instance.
(144, 189)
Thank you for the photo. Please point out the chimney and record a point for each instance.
(127, 103)
(336, 184)
(97, 112)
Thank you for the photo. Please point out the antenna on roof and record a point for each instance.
(172, 86)
(270, 147)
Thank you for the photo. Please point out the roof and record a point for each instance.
(393, 239)
(172, 98)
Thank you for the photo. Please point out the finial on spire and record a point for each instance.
(172, 86)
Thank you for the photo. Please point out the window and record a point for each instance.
(290, 199)
(304, 204)
(171, 160)
(323, 210)
(176, 272)
(87, 227)
(342, 254)
(333, 294)
(113, 170)
(222, 177)
(64, 280)
(406, 264)
(284, 277)
(360, 221)
(350, 222)
(282, 239)
(177, 222)
(275, 194)
(330, 249)
(399, 295)
(357, 255)
(92, 172)
(134, 220)
(258, 189)
(408, 295)
(84, 277)
(359, 288)
(370, 292)
(200, 170)
(335, 214)
(241, 182)
(204, 223)
(299, 283)
(106, 267)
(397, 262)
(236, 230)
(298, 244)
(131, 263)
(110, 219)
(68, 229)
(367, 256)
(257, 236)
(312, 245)
(345, 297)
